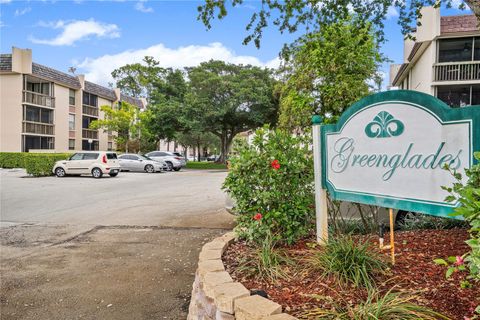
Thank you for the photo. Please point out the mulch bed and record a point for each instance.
(414, 271)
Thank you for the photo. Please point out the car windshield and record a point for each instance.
(144, 157)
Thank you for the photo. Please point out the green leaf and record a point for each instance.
(440, 262)
(450, 198)
(449, 272)
(452, 259)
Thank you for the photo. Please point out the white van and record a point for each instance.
(96, 163)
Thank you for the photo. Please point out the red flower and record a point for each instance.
(257, 216)
(275, 164)
(458, 261)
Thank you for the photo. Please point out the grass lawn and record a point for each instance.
(205, 165)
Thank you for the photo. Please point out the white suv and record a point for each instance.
(96, 163)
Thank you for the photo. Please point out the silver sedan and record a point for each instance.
(135, 162)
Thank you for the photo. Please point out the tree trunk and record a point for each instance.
(222, 146)
(198, 151)
(226, 143)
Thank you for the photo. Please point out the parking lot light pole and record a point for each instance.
(321, 210)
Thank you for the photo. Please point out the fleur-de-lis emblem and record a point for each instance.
(384, 125)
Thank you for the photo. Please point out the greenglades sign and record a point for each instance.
(389, 149)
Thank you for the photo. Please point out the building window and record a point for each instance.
(71, 144)
(37, 142)
(90, 99)
(89, 146)
(86, 121)
(36, 114)
(109, 146)
(38, 87)
(71, 97)
(459, 49)
(459, 95)
(71, 122)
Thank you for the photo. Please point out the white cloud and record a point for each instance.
(140, 6)
(73, 31)
(5, 1)
(21, 12)
(99, 69)
(456, 3)
(392, 12)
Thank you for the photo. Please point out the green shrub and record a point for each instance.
(389, 306)
(266, 262)
(349, 261)
(271, 182)
(424, 221)
(41, 164)
(353, 226)
(9, 160)
(468, 195)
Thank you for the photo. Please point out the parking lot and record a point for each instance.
(110, 248)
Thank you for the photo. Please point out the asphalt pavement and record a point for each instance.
(113, 248)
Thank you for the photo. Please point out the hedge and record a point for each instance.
(11, 160)
(36, 164)
(205, 165)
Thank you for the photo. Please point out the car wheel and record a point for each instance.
(176, 169)
(113, 174)
(60, 172)
(97, 173)
(149, 168)
(170, 166)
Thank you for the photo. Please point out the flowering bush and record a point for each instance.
(271, 181)
(468, 194)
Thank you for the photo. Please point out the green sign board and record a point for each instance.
(389, 149)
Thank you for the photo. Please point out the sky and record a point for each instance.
(96, 37)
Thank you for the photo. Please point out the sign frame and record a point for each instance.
(438, 109)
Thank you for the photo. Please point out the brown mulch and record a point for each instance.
(414, 272)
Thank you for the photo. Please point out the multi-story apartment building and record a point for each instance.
(45, 109)
(443, 60)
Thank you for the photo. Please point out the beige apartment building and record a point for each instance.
(43, 109)
(443, 60)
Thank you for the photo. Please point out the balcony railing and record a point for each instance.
(38, 99)
(38, 128)
(91, 111)
(89, 134)
(457, 71)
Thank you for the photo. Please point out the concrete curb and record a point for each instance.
(215, 296)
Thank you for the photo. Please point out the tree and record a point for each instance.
(164, 89)
(163, 120)
(327, 71)
(137, 79)
(123, 120)
(198, 140)
(292, 15)
(227, 99)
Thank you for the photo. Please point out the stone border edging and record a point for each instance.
(215, 296)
